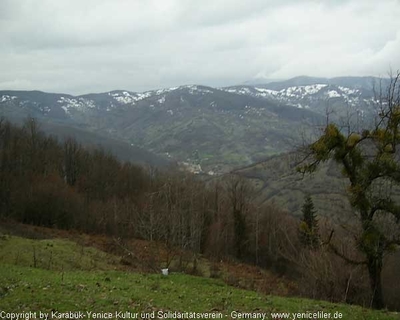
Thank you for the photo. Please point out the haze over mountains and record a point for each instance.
(209, 129)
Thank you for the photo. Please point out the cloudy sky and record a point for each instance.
(81, 46)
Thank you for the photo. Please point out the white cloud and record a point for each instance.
(80, 46)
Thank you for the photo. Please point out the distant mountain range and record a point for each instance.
(207, 129)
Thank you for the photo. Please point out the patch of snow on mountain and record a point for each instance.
(231, 90)
(242, 91)
(301, 91)
(291, 92)
(267, 91)
(333, 94)
(170, 112)
(295, 92)
(141, 96)
(166, 90)
(65, 109)
(371, 101)
(161, 100)
(348, 90)
(124, 97)
(45, 109)
(131, 98)
(314, 88)
(79, 104)
(193, 89)
(5, 98)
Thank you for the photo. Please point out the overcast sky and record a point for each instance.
(81, 46)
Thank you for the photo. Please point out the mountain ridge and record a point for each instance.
(214, 128)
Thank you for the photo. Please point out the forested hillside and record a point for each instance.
(214, 129)
(46, 182)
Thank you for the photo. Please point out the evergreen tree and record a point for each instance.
(309, 224)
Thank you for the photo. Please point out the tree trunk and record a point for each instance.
(374, 271)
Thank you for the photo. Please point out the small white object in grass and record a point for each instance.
(164, 272)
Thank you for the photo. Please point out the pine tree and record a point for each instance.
(309, 224)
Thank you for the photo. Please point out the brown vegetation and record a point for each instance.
(155, 219)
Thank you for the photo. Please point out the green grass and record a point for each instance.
(24, 288)
(30, 289)
(53, 254)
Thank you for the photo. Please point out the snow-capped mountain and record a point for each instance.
(317, 97)
(234, 125)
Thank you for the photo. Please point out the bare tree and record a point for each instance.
(239, 193)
